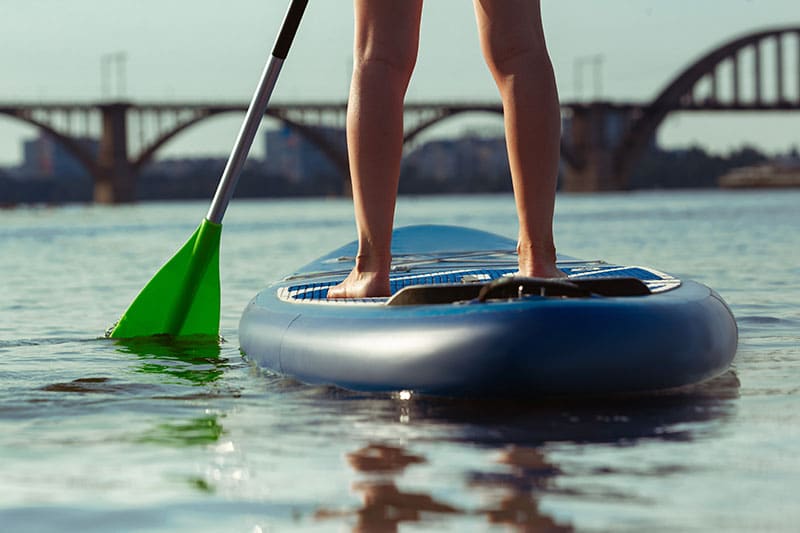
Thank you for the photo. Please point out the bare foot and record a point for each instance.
(364, 281)
(538, 263)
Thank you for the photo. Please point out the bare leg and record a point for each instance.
(514, 47)
(385, 50)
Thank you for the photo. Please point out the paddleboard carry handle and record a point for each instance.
(255, 112)
(519, 286)
(516, 287)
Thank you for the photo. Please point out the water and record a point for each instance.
(100, 436)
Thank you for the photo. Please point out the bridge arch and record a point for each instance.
(78, 151)
(90, 162)
(678, 94)
(445, 113)
(320, 141)
(338, 158)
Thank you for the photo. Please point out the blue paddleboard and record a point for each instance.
(459, 323)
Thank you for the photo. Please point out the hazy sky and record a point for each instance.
(192, 50)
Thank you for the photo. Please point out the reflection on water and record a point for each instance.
(380, 459)
(385, 506)
(99, 385)
(518, 436)
(519, 472)
(669, 415)
(195, 359)
(528, 475)
(100, 435)
(195, 432)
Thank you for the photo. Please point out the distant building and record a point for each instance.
(44, 157)
(466, 164)
(48, 173)
(291, 155)
(438, 160)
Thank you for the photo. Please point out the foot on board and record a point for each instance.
(541, 272)
(361, 285)
(538, 263)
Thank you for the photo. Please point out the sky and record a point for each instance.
(190, 50)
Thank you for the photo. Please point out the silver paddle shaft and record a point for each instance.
(247, 133)
(255, 112)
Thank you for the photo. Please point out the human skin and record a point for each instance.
(385, 51)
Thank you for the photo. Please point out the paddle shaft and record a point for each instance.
(255, 112)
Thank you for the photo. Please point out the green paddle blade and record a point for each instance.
(183, 297)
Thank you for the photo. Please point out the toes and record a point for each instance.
(338, 291)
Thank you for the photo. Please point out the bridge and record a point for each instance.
(601, 141)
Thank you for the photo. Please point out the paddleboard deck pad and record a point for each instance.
(459, 322)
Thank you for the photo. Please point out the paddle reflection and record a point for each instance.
(195, 359)
(186, 368)
(199, 431)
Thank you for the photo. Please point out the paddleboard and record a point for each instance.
(460, 323)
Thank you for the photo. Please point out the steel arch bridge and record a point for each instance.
(700, 87)
(593, 159)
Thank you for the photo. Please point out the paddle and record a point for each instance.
(183, 298)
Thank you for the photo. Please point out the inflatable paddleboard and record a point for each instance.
(460, 323)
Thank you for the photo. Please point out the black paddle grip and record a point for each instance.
(289, 28)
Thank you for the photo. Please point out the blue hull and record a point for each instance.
(529, 346)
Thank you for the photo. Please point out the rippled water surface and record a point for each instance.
(97, 435)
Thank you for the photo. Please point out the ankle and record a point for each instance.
(376, 263)
(538, 260)
(537, 253)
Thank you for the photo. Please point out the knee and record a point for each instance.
(507, 56)
(392, 65)
(395, 62)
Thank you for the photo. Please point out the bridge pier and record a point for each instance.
(594, 132)
(593, 177)
(114, 176)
